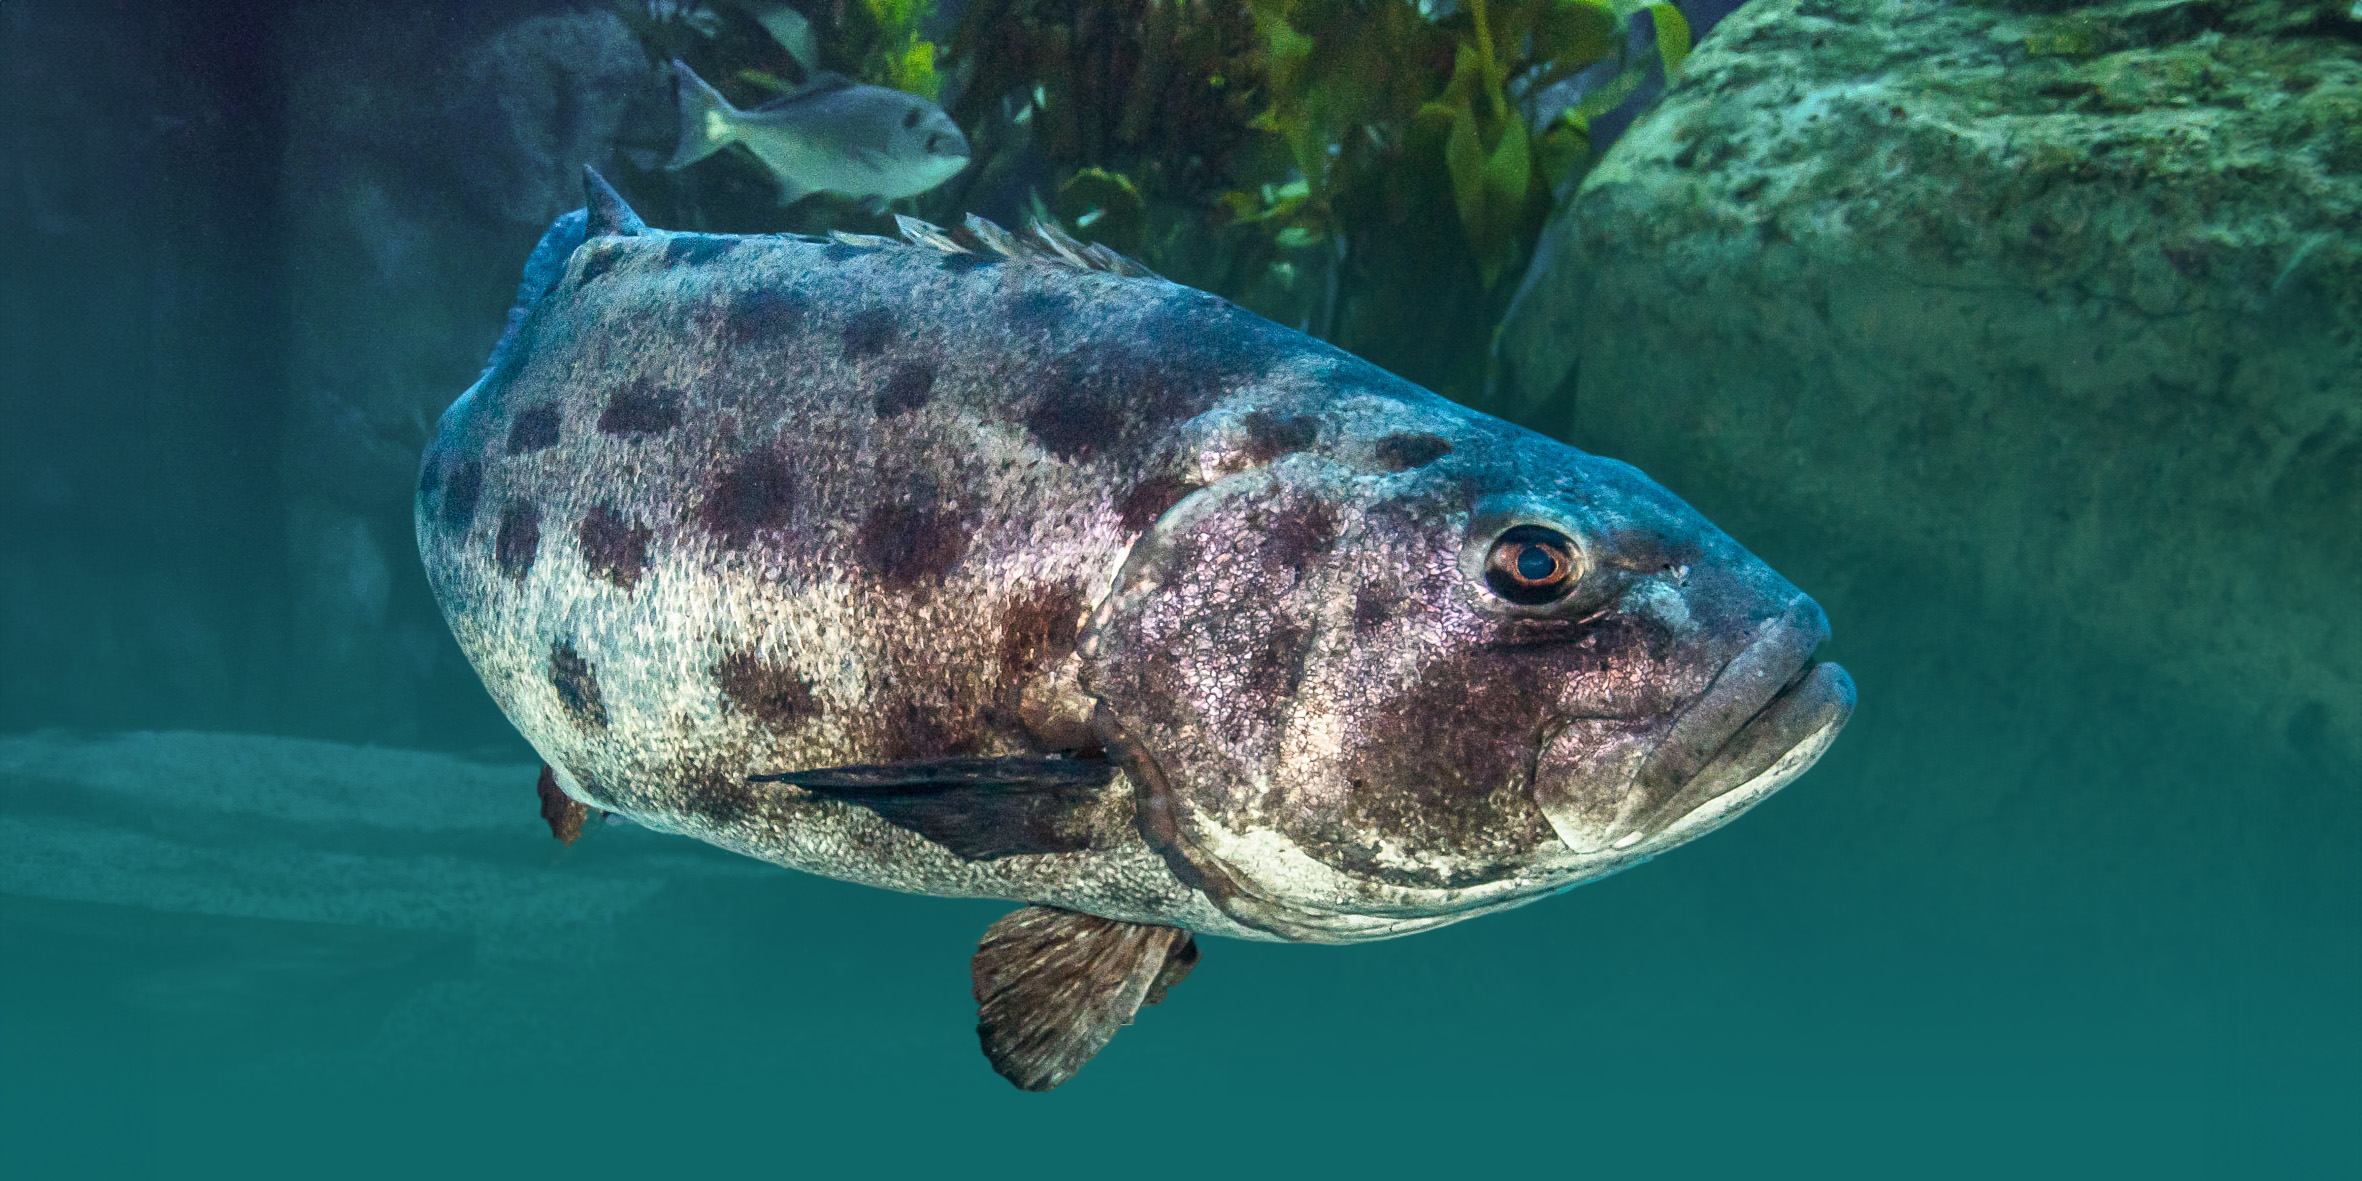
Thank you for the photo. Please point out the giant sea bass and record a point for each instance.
(988, 565)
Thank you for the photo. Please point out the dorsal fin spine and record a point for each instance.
(1042, 243)
(610, 216)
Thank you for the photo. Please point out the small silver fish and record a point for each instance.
(835, 135)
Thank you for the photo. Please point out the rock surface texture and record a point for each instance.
(2058, 310)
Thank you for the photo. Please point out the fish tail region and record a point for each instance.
(707, 119)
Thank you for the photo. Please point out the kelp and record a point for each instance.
(1375, 172)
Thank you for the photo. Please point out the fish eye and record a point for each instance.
(910, 118)
(1530, 565)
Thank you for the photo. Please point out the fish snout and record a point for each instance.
(1765, 718)
(945, 139)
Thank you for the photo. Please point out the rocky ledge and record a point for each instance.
(2057, 307)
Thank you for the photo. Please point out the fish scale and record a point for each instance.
(990, 565)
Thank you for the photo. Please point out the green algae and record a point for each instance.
(1375, 172)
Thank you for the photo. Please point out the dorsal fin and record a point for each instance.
(1042, 243)
(821, 83)
(609, 215)
(848, 238)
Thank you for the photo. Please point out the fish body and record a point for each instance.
(989, 567)
(834, 135)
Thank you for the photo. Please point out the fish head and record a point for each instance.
(923, 142)
(1432, 664)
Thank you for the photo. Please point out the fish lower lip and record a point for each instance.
(1807, 712)
(1778, 657)
(1614, 788)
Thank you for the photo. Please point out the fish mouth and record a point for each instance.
(1768, 715)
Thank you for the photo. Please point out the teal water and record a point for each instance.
(2021, 921)
(2039, 913)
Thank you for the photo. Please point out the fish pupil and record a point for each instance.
(1531, 565)
(1536, 564)
(910, 119)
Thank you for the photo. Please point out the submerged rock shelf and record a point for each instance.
(289, 830)
(2064, 309)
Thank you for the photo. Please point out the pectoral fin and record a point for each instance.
(1052, 987)
(563, 813)
(979, 808)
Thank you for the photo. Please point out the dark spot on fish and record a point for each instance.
(723, 801)
(1150, 499)
(909, 544)
(1406, 450)
(1066, 421)
(519, 539)
(640, 407)
(597, 261)
(907, 388)
(764, 313)
(577, 686)
(1038, 630)
(868, 332)
(1293, 534)
(613, 548)
(959, 263)
(770, 693)
(1033, 311)
(844, 251)
(915, 731)
(461, 490)
(534, 428)
(1278, 669)
(430, 470)
(1096, 402)
(697, 248)
(1372, 607)
(755, 493)
(1270, 436)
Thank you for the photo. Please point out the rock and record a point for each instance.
(426, 155)
(2059, 310)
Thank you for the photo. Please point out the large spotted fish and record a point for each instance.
(988, 566)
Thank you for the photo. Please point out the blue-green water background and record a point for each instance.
(2033, 916)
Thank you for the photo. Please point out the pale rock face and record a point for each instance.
(2065, 309)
